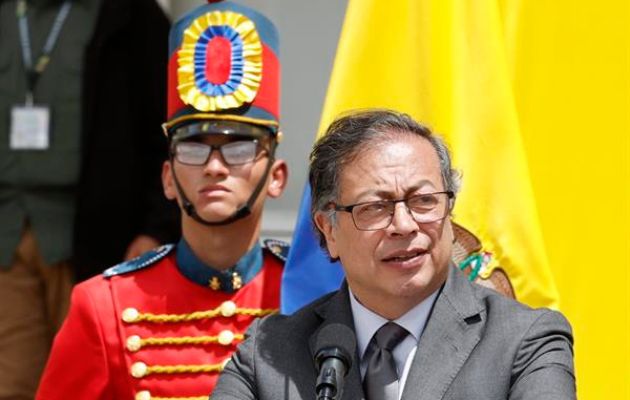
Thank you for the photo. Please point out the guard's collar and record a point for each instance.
(229, 280)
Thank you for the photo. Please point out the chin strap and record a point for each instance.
(242, 212)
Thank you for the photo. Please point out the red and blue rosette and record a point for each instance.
(224, 65)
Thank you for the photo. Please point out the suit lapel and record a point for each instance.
(452, 332)
(337, 311)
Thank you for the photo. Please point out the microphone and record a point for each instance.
(335, 345)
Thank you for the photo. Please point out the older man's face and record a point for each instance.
(392, 269)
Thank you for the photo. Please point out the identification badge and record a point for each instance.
(30, 128)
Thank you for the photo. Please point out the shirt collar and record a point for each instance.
(367, 322)
(229, 280)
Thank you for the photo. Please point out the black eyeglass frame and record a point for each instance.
(348, 208)
(260, 151)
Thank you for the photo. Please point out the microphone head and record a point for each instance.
(335, 340)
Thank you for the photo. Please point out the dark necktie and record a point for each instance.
(381, 378)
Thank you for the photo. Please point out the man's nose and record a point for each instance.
(216, 166)
(403, 222)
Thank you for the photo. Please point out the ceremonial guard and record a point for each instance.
(163, 325)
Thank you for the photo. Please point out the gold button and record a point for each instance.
(138, 369)
(130, 315)
(134, 343)
(228, 308)
(143, 395)
(226, 337)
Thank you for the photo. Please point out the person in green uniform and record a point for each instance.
(69, 142)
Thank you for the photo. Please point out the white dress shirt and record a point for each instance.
(366, 323)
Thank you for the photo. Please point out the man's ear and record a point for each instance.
(449, 230)
(278, 177)
(325, 226)
(168, 184)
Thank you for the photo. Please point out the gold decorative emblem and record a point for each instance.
(237, 282)
(214, 283)
(236, 86)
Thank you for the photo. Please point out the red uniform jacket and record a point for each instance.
(153, 334)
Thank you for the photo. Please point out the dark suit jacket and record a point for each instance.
(124, 103)
(477, 344)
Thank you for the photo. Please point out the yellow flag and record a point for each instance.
(446, 64)
(534, 99)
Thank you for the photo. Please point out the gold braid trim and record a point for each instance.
(199, 315)
(186, 340)
(184, 369)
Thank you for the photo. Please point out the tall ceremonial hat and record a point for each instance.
(223, 73)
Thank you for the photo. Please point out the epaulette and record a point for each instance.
(278, 248)
(142, 261)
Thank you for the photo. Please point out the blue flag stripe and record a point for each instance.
(308, 273)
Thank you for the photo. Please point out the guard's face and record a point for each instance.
(219, 180)
(392, 269)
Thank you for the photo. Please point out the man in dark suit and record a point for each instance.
(382, 194)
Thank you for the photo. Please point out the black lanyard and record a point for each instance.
(33, 72)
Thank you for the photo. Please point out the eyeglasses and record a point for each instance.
(233, 153)
(424, 208)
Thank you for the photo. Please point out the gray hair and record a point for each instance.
(347, 136)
